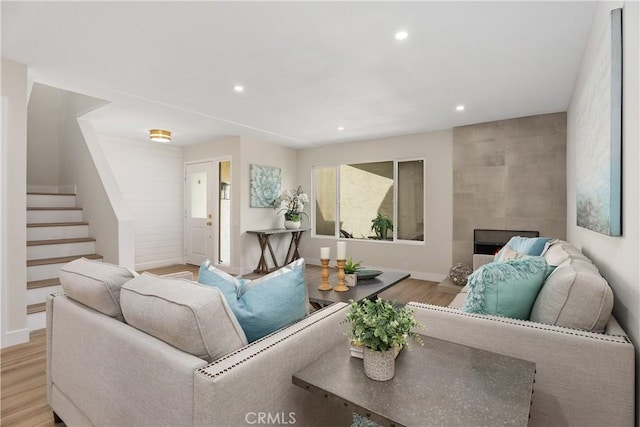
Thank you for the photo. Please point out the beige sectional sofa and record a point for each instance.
(103, 371)
(584, 360)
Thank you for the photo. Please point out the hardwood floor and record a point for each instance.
(23, 391)
(23, 400)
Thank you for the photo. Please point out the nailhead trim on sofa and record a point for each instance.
(202, 371)
(528, 324)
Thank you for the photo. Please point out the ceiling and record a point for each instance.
(306, 67)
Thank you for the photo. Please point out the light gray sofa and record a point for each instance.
(102, 371)
(583, 378)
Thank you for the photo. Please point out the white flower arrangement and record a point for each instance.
(292, 202)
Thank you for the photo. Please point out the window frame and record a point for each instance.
(336, 231)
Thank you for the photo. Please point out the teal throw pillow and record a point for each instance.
(506, 289)
(228, 285)
(263, 305)
(525, 245)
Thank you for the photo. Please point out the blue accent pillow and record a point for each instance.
(264, 305)
(507, 289)
(525, 245)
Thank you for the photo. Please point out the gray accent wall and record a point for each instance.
(509, 175)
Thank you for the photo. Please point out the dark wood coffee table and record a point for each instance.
(368, 289)
(440, 383)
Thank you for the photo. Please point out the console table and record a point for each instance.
(263, 239)
(440, 383)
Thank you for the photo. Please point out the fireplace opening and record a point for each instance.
(489, 242)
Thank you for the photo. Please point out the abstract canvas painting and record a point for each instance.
(265, 185)
(599, 136)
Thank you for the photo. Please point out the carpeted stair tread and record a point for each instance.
(36, 308)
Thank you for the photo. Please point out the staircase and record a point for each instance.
(56, 235)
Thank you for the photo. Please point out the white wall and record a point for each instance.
(265, 154)
(430, 261)
(46, 117)
(13, 202)
(149, 176)
(78, 167)
(616, 257)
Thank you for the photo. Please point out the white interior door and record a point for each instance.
(199, 212)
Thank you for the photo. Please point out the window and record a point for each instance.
(374, 201)
(325, 195)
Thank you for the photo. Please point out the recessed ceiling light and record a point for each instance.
(340, 127)
(401, 35)
(460, 108)
(238, 88)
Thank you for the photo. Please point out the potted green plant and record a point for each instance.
(292, 203)
(383, 329)
(350, 272)
(381, 224)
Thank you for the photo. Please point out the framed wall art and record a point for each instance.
(599, 148)
(265, 185)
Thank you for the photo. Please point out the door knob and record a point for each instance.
(208, 222)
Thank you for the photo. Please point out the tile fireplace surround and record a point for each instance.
(509, 175)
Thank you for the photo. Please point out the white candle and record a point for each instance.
(325, 253)
(342, 250)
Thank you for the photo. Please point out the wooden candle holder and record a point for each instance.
(341, 286)
(324, 285)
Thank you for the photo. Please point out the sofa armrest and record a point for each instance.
(257, 379)
(582, 378)
(481, 259)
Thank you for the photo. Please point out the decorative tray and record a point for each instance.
(367, 274)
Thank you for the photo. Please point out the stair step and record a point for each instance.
(57, 230)
(46, 200)
(42, 193)
(60, 241)
(56, 224)
(60, 260)
(36, 284)
(57, 214)
(54, 248)
(39, 295)
(36, 308)
(59, 208)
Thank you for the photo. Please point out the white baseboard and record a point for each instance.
(16, 337)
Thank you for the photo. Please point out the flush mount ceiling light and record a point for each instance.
(238, 88)
(460, 108)
(340, 127)
(160, 135)
(401, 35)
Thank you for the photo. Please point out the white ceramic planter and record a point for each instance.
(351, 279)
(292, 225)
(379, 365)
